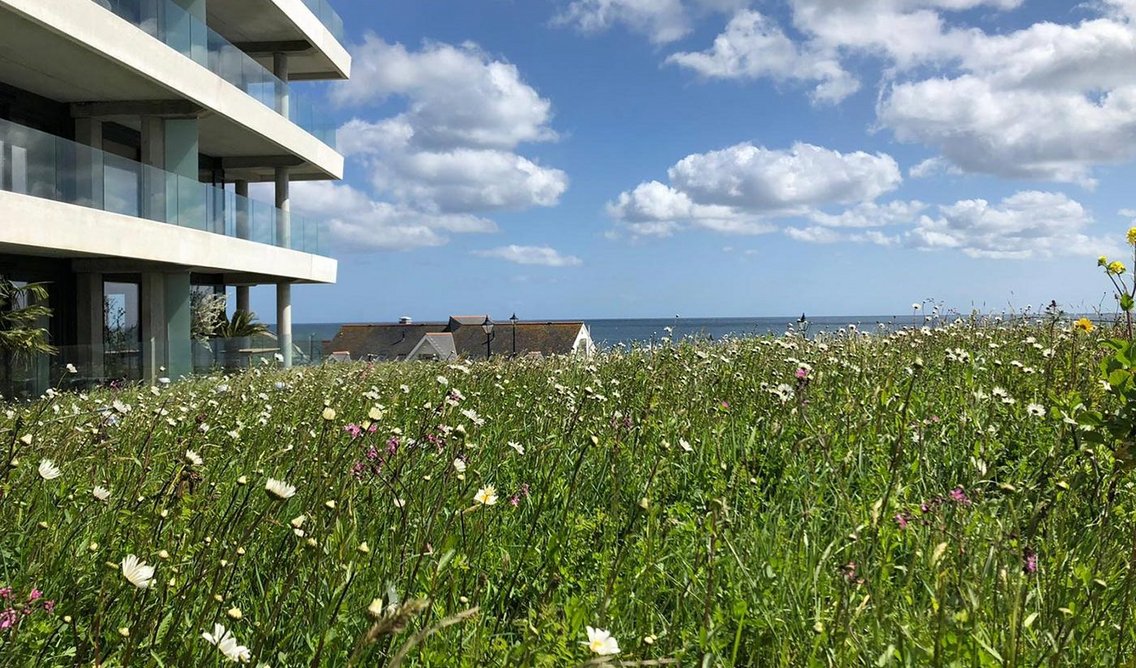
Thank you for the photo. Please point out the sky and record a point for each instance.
(647, 158)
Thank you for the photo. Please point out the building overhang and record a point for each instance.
(264, 27)
(46, 228)
(75, 51)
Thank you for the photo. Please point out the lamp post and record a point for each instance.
(487, 327)
(514, 321)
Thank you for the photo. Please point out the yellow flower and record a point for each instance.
(1131, 236)
(1084, 324)
(1102, 261)
(1116, 267)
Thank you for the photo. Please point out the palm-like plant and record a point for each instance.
(21, 309)
(242, 324)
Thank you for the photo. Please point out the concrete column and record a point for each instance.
(153, 154)
(90, 183)
(165, 321)
(90, 323)
(284, 321)
(153, 324)
(280, 70)
(185, 195)
(242, 298)
(283, 205)
(179, 349)
(242, 190)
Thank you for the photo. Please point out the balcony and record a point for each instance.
(328, 17)
(174, 26)
(49, 167)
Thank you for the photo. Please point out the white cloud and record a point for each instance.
(1127, 213)
(870, 214)
(744, 188)
(362, 223)
(1025, 225)
(753, 47)
(457, 96)
(531, 255)
(450, 156)
(662, 21)
(764, 180)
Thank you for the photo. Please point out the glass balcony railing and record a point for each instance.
(44, 165)
(328, 17)
(187, 34)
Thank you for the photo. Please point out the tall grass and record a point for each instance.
(920, 498)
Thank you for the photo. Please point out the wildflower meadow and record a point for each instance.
(957, 494)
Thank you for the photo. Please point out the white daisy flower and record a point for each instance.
(278, 489)
(486, 496)
(48, 470)
(101, 493)
(137, 572)
(226, 643)
(601, 642)
(193, 458)
(518, 447)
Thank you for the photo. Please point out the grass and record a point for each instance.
(845, 501)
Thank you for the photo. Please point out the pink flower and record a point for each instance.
(1029, 557)
(958, 495)
(902, 520)
(49, 605)
(35, 595)
(5, 592)
(8, 619)
(515, 500)
(355, 430)
(802, 373)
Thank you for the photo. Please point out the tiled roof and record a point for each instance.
(548, 338)
(384, 341)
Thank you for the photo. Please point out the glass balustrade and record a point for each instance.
(44, 165)
(187, 34)
(328, 17)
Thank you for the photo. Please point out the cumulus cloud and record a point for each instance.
(765, 180)
(753, 47)
(662, 21)
(451, 156)
(1025, 225)
(531, 255)
(362, 223)
(744, 188)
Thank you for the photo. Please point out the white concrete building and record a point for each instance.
(130, 131)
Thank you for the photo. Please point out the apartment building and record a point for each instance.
(130, 132)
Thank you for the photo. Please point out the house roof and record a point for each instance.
(440, 344)
(384, 341)
(457, 337)
(549, 338)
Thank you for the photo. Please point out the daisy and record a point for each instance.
(459, 466)
(601, 642)
(518, 447)
(1036, 410)
(48, 470)
(137, 572)
(193, 458)
(226, 643)
(486, 496)
(278, 489)
(101, 493)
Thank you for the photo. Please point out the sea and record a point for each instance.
(616, 332)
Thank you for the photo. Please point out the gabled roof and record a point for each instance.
(548, 338)
(384, 341)
(438, 344)
(458, 321)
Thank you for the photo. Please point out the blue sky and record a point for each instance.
(639, 158)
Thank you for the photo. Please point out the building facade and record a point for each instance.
(130, 131)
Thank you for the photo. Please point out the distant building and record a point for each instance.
(460, 337)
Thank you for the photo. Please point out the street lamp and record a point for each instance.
(514, 321)
(487, 327)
